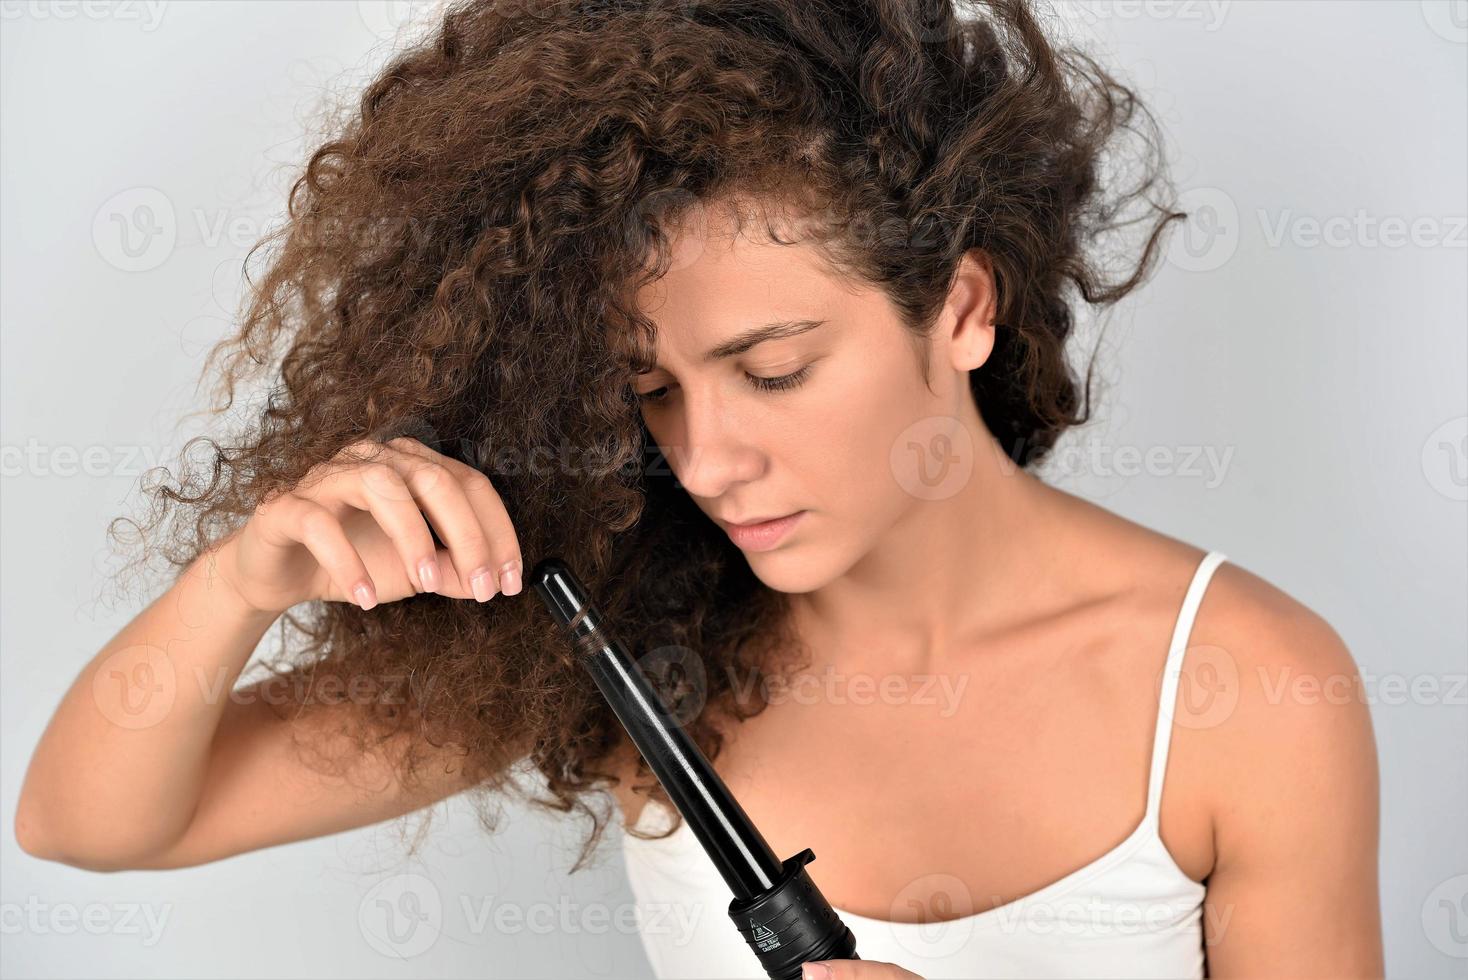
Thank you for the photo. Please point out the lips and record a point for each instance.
(762, 535)
(754, 521)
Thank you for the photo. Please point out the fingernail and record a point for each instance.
(363, 594)
(482, 584)
(510, 578)
(428, 574)
(815, 971)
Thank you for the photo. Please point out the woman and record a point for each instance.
(607, 281)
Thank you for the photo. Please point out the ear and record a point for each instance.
(970, 310)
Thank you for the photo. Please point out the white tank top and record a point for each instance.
(1132, 912)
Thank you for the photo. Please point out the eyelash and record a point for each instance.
(783, 383)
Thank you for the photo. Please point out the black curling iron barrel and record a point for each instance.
(776, 907)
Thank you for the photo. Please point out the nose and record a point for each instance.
(710, 448)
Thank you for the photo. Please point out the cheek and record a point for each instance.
(844, 446)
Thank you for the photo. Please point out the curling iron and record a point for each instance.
(776, 907)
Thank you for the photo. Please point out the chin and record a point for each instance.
(799, 567)
(785, 573)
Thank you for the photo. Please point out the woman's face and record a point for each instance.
(781, 388)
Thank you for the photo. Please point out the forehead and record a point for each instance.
(729, 271)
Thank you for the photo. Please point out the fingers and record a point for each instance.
(379, 489)
(322, 534)
(476, 528)
(406, 486)
(855, 970)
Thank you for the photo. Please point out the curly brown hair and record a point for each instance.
(456, 267)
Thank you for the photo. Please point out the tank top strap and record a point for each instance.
(1171, 674)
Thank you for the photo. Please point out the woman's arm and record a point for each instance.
(1294, 890)
(149, 762)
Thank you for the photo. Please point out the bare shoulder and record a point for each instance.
(1282, 669)
(1272, 704)
(1272, 750)
(1264, 658)
(1273, 756)
(1273, 718)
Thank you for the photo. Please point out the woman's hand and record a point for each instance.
(356, 529)
(855, 970)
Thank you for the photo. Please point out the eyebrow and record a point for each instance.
(771, 331)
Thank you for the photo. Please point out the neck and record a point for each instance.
(948, 571)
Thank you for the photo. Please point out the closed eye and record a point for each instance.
(782, 383)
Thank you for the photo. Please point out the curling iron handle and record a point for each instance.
(792, 923)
